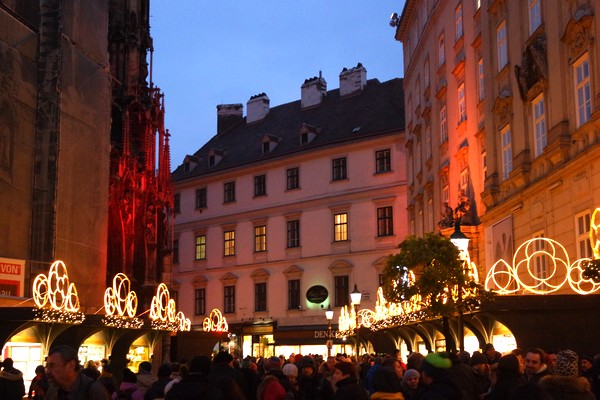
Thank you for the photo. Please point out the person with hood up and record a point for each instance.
(311, 385)
(195, 385)
(348, 386)
(565, 384)
(386, 385)
(12, 386)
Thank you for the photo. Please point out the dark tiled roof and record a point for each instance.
(377, 110)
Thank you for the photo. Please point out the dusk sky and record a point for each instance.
(222, 52)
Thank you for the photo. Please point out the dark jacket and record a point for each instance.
(464, 378)
(193, 387)
(85, 389)
(314, 387)
(350, 389)
(12, 386)
(567, 387)
(157, 389)
(442, 388)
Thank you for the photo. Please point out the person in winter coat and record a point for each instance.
(39, 384)
(195, 385)
(348, 387)
(145, 378)
(386, 385)
(565, 384)
(157, 389)
(12, 386)
(128, 389)
(508, 378)
(437, 379)
(312, 386)
(411, 385)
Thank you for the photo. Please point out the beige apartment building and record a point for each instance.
(287, 208)
(502, 107)
(504, 110)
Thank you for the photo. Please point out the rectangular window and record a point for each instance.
(583, 90)
(463, 183)
(228, 192)
(293, 178)
(426, 74)
(200, 301)
(539, 124)
(462, 106)
(480, 81)
(200, 198)
(383, 161)
(501, 45)
(338, 169)
(200, 253)
(340, 227)
(535, 15)
(293, 233)
(483, 165)
(260, 185)
(176, 251)
(342, 291)
(441, 51)
(458, 22)
(260, 238)
(443, 125)
(293, 294)
(506, 152)
(177, 203)
(582, 230)
(418, 158)
(260, 296)
(445, 194)
(385, 221)
(229, 299)
(229, 243)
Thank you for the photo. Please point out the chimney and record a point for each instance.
(257, 108)
(352, 80)
(312, 91)
(229, 115)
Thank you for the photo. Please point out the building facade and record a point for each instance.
(79, 127)
(501, 100)
(283, 211)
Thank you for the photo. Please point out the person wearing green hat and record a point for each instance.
(438, 385)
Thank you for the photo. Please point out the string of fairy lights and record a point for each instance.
(521, 276)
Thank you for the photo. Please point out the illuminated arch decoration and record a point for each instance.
(120, 304)
(521, 276)
(215, 322)
(55, 297)
(163, 312)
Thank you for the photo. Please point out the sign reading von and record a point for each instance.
(317, 294)
(12, 277)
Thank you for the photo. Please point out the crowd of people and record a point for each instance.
(487, 375)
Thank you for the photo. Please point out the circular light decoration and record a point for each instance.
(215, 322)
(56, 297)
(163, 311)
(120, 304)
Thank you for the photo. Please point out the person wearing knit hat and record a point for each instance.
(481, 370)
(410, 384)
(565, 384)
(437, 380)
(291, 371)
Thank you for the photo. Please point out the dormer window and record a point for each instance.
(189, 163)
(269, 142)
(214, 157)
(307, 134)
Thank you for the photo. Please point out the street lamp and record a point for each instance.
(355, 297)
(461, 241)
(329, 316)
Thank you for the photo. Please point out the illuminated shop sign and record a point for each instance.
(12, 277)
(55, 297)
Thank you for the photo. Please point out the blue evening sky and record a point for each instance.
(221, 52)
